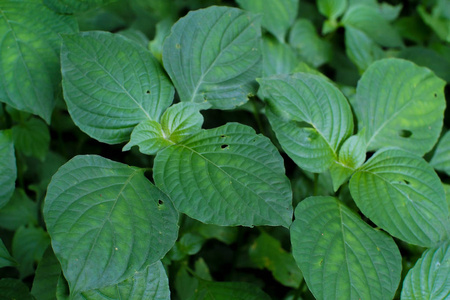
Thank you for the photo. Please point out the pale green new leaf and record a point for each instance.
(401, 105)
(266, 252)
(278, 58)
(304, 37)
(277, 16)
(364, 17)
(32, 138)
(29, 55)
(210, 290)
(332, 8)
(151, 283)
(361, 49)
(8, 166)
(430, 277)
(73, 6)
(441, 157)
(213, 55)
(47, 275)
(310, 117)
(226, 176)
(340, 256)
(6, 260)
(150, 138)
(106, 222)
(111, 84)
(402, 194)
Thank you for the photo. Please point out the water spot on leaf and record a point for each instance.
(405, 133)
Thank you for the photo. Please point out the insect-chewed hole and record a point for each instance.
(223, 136)
(147, 91)
(435, 95)
(224, 146)
(405, 133)
(406, 181)
(160, 202)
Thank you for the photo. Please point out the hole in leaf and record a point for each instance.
(435, 95)
(160, 202)
(405, 133)
(223, 136)
(406, 181)
(224, 146)
(147, 92)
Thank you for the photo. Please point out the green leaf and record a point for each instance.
(363, 17)
(151, 283)
(150, 138)
(73, 6)
(430, 276)
(28, 246)
(332, 9)
(6, 260)
(8, 166)
(32, 138)
(11, 289)
(278, 58)
(340, 256)
(401, 105)
(46, 278)
(266, 252)
(213, 55)
(136, 36)
(361, 49)
(111, 84)
(29, 51)
(226, 176)
(402, 194)
(441, 157)
(277, 16)
(440, 25)
(162, 31)
(310, 117)
(106, 221)
(210, 290)
(19, 211)
(314, 50)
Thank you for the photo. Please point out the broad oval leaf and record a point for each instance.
(73, 6)
(8, 166)
(402, 194)
(111, 84)
(29, 55)
(277, 16)
(430, 277)
(46, 276)
(310, 117)
(32, 138)
(106, 221)
(151, 283)
(361, 49)
(400, 104)
(226, 176)
(441, 157)
(214, 55)
(210, 290)
(278, 58)
(340, 256)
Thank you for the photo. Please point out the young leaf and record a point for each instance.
(111, 84)
(310, 117)
(29, 48)
(332, 9)
(400, 104)
(6, 260)
(430, 277)
(441, 157)
(340, 256)
(213, 55)
(361, 49)
(151, 283)
(266, 252)
(8, 166)
(47, 275)
(363, 17)
(150, 138)
(402, 194)
(11, 288)
(226, 176)
(32, 138)
(73, 6)
(314, 50)
(278, 58)
(106, 221)
(210, 290)
(277, 16)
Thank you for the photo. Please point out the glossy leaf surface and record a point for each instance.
(402, 194)
(213, 55)
(226, 176)
(106, 92)
(340, 256)
(106, 221)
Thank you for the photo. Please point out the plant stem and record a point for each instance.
(316, 184)
(257, 116)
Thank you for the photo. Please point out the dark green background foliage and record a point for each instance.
(220, 149)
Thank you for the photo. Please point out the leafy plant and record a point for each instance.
(249, 150)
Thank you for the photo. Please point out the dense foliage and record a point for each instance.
(207, 149)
